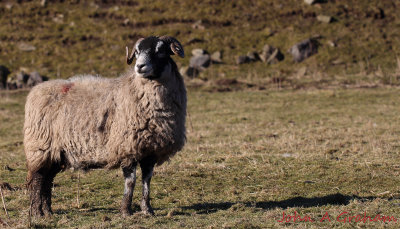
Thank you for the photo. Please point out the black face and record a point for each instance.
(153, 57)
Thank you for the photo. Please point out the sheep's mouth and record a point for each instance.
(147, 75)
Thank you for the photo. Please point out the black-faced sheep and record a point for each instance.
(92, 122)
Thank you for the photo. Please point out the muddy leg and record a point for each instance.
(47, 190)
(35, 182)
(147, 165)
(40, 186)
(130, 179)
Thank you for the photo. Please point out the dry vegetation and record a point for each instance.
(75, 36)
(250, 156)
(257, 145)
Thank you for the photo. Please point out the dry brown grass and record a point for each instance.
(250, 156)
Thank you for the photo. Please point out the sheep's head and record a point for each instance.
(153, 55)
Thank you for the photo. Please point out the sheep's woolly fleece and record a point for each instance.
(90, 121)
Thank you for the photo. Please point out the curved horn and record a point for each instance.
(129, 59)
(174, 44)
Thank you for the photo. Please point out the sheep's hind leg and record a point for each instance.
(47, 189)
(147, 166)
(35, 183)
(40, 185)
(130, 179)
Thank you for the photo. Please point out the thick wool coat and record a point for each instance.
(90, 121)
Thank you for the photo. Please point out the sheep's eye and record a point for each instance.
(136, 53)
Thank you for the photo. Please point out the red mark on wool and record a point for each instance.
(66, 87)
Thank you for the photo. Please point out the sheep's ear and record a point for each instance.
(174, 44)
(129, 58)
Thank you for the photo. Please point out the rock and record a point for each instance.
(200, 62)
(43, 3)
(304, 49)
(275, 57)
(301, 72)
(9, 6)
(12, 82)
(324, 18)
(198, 52)
(242, 59)
(34, 79)
(59, 18)
(189, 72)
(266, 52)
(271, 54)
(4, 72)
(198, 25)
(26, 47)
(268, 32)
(253, 56)
(310, 2)
(216, 57)
(21, 79)
(126, 21)
(331, 43)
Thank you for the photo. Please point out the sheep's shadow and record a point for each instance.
(333, 199)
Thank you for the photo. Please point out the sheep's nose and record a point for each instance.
(140, 66)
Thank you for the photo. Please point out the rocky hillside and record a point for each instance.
(356, 42)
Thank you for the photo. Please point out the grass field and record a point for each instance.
(312, 138)
(250, 156)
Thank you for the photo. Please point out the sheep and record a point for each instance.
(91, 122)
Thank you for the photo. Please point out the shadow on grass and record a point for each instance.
(333, 199)
(92, 209)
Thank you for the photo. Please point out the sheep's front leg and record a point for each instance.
(130, 179)
(147, 166)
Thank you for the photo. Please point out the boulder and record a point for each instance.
(34, 79)
(304, 49)
(216, 57)
(271, 55)
(331, 43)
(198, 52)
(4, 72)
(21, 79)
(242, 59)
(43, 3)
(198, 25)
(310, 2)
(275, 57)
(24, 80)
(189, 72)
(324, 18)
(26, 47)
(200, 62)
(253, 56)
